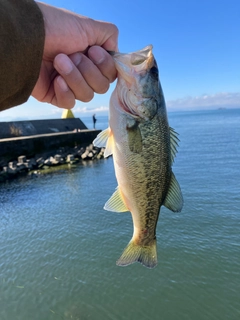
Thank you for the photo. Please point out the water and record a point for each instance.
(58, 247)
(101, 124)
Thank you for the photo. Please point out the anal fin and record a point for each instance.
(116, 203)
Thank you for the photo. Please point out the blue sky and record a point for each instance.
(196, 44)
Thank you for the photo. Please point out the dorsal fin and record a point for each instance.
(173, 143)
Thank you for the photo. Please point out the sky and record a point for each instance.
(196, 44)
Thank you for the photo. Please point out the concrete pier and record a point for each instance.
(33, 138)
(26, 128)
(32, 146)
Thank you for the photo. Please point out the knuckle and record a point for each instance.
(115, 29)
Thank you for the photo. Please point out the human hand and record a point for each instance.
(75, 61)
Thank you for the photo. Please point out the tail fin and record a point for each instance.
(146, 255)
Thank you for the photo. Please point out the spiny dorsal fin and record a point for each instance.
(105, 140)
(174, 143)
(174, 198)
(115, 203)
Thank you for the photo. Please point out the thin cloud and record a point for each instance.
(91, 110)
(205, 101)
(82, 110)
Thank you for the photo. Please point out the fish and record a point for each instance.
(143, 147)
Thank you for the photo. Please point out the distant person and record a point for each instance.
(94, 121)
(55, 55)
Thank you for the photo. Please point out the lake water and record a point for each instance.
(58, 246)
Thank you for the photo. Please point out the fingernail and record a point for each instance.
(64, 64)
(97, 55)
(62, 84)
(76, 58)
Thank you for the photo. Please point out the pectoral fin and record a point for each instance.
(174, 198)
(105, 140)
(115, 203)
(101, 140)
(134, 136)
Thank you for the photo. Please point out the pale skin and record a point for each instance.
(75, 62)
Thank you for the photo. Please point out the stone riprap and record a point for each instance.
(64, 155)
(30, 146)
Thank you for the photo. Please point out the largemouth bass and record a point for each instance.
(143, 147)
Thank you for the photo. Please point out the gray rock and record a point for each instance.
(40, 162)
(21, 167)
(90, 155)
(30, 164)
(12, 164)
(90, 147)
(70, 158)
(85, 154)
(80, 152)
(47, 162)
(22, 159)
(57, 157)
(12, 171)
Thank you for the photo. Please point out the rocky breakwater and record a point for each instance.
(64, 155)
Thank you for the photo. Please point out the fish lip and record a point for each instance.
(137, 61)
(145, 51)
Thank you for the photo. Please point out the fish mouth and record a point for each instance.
(132, 69)
(139, 57)
(128, 64)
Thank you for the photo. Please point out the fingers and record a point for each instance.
(93, 79)
(64, 97)
(81, 76)
(103, 61)
(73, 76)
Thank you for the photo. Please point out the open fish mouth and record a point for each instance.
(136, 57)
(141, 56)
(137, 61)
(133, 74)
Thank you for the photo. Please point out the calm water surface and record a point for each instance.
(58, 247)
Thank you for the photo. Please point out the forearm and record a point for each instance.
(21, 50)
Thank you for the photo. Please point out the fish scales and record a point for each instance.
(153, 177)
(143, 148)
